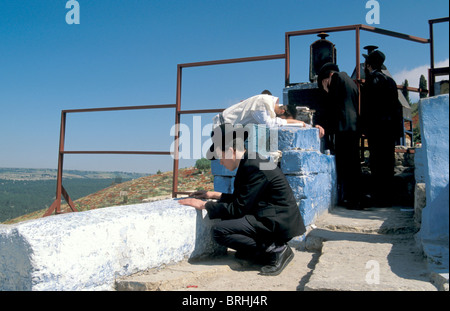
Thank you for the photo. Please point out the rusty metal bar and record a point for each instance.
(177, 132)
(411, 89)
(319, 30)
(287, 62)
(119, 108)
(442, 71)
(68, 199)
(233, 61)
(358, 26)
(56, 206)
(358, 67)
(120, 152)
(439, 20)
(201, 111)
(395, 34)
(431, 46)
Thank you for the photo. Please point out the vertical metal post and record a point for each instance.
(358, 66)
(287, 60)
(431, 77)
(362, 139)
(56, 206)
(177, 133)
(60, 162)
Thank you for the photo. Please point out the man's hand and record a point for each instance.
(197, 204)
(321, 131)
(202, 194)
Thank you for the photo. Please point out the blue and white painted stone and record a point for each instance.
(310, 186)
(434, 231)
(291, 138)
(298, 162)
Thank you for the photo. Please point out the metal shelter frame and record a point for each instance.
(61, 192)
(434, 72)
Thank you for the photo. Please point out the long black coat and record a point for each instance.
(264, 198)
(340, 106)
(380, 107)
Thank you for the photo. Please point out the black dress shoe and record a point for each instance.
(278, 262)
(257, 258)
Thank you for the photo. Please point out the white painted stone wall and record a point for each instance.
(88, 250)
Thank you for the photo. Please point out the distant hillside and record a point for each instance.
(135, 191)
(19, 197)
(50, 174)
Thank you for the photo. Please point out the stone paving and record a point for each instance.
(369, 250)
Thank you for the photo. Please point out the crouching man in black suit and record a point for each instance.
(261, 215)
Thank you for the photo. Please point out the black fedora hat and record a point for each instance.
(324, 72)
(375, 58)
(223, 137)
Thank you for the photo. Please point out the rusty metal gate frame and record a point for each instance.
(180, 112)
(61, 192)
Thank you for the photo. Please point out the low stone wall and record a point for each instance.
(88, 250)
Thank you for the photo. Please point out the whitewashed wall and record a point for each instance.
(88, 250)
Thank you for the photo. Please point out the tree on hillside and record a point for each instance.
(203, 164)
(423, 86)
(405, 90)
(416, 124)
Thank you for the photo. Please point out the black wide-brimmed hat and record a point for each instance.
(375, 58)
(223, 136)
(325, 72)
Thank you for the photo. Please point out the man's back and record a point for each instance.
(342, 104)
(261, 196)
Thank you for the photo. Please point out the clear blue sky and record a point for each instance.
(125, 52)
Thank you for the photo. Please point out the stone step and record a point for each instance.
(369, 250)
(370, 266)
(173, 277)
(221, 274)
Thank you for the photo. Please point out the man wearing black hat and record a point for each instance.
(381, 115)
(261, 215)
(340, 121)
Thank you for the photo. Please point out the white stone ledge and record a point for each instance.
(88, 250)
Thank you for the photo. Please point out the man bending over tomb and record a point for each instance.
(261, 215)
(259, 109)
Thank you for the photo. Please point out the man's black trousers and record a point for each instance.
(241, 236)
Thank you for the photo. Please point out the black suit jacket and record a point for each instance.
(264, 198)
(340, 111)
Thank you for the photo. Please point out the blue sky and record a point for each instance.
(125, 52)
